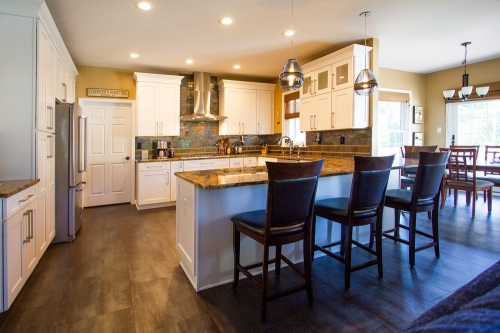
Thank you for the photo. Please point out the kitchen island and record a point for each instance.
(206, 201)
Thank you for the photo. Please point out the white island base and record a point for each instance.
(205, 231)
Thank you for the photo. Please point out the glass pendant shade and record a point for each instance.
(291, 76)
(366, 83)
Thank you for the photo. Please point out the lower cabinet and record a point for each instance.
(153, 183)
(176, 166)
(20, 255)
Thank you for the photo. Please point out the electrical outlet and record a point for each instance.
(439, 130)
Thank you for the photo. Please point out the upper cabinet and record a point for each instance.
(158, 104)
(328, 100)
(248, 107)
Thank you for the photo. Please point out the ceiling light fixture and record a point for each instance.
(291, 76)
(133, 55)
(366, 83)
(226, 21)
(288, 33)
(143, 5)
(189, 61)
(466, 91)
(236, 66)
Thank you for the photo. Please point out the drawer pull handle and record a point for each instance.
(27, 198)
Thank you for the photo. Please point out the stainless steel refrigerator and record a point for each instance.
(71, 163)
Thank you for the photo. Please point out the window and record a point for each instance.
(291, 119)
(473, 123)
(393, 121)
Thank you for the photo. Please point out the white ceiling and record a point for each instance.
(419, 36)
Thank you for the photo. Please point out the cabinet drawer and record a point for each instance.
(19, 201)
(250, 161)
(152, 166)
(206, 164)
(236, 162)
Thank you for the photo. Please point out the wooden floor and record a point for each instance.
(122, 275)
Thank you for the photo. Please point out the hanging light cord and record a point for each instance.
(465, 59)
(291, 41)
(365, 39)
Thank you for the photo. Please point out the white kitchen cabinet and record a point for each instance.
(45, 117)
(248, 107)
(250, 161)
(316, 113)
(153, 183)
(206, 164)
(236, 162)
(158, 104)
(262, 160)
(46, 190)
(20, 238)
(175, 166)
(339, 107)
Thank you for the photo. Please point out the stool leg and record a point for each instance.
(411, 232)
(378, 235)
(265, 269)
(236, 249)
(397, 219)
(308, 267)
(277, 264)
(347, 258)
(435, 232)
(343, 240)
(372, 235)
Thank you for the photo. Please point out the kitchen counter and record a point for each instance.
(11, 187)
(234, 177)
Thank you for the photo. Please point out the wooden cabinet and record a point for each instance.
(153, 183)
(248, 107)
(175, 166)
(20, 254)
(328, 100)
(158, 104)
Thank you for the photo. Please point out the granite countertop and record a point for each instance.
(234, 177)
(11, 187)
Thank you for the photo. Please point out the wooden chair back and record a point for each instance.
(462, 165)
(413, 151)
(492, 155)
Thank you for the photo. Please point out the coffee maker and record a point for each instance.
(160, 149)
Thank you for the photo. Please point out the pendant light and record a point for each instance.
(466, 91)
(291, 76)
(366, 83)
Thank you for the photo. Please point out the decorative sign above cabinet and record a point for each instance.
(100, 92)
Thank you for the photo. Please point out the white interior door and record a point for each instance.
(109, 135)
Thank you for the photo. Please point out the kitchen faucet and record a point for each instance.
(290, 143)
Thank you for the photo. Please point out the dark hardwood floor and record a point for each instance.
(122, 275)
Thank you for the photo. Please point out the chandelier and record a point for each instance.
(466, 90)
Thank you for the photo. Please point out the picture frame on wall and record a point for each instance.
(418, 138)
(418, 116)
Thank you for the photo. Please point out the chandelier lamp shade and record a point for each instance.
(465, 92)
(366, 83)
(291, 76)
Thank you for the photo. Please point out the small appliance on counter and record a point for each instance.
(160, 149)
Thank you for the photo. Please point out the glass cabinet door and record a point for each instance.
(307, 85)
(323, 84)
(342, 74)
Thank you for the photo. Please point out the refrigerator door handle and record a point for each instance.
(84, 186)
(82, 144)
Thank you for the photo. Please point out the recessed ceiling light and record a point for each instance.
(226, 21)
(236, 66)
(143, 5)
(133, 55)
(288, 33)
(188, 61)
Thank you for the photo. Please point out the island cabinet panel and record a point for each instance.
(175, 166)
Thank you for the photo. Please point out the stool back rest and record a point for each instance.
(430, 171)
(291, 192)
(413, 151)
(369, 182)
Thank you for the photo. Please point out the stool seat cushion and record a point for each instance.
(255, 221)
(403, 197)
(339, 206)
(479, 183)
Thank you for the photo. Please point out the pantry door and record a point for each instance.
(109, 173)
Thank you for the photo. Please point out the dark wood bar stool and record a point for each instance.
(423, 198)
(286, 219)
(363, 207)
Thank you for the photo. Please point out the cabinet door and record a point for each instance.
(306, 114)
(58, 80)
(342, 74)
(147, 109)
(236, 162)
(169, 110)
(264, 112)
(232, 106)
(342, 109)
(307, 86)
(45, 75)
(154, 187)
(175, 167)
(322, 80)
(249, 124)
(323, 119)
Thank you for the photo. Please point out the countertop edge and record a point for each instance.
(10, 187)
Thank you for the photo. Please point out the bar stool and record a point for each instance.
(286, 219)
(423, 198)
(363, 207)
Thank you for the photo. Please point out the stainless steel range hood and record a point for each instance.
(202, 100)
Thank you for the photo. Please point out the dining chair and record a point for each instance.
(491, 155)
(462, 177)
(408, 174)
(287, 219)
(424, 197)
(364, 206)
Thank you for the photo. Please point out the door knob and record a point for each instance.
(127, 158)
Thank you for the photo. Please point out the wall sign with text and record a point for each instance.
(100, 92)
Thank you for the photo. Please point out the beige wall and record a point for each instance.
(435, 83)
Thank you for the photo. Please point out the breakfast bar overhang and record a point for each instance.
(206, 201)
